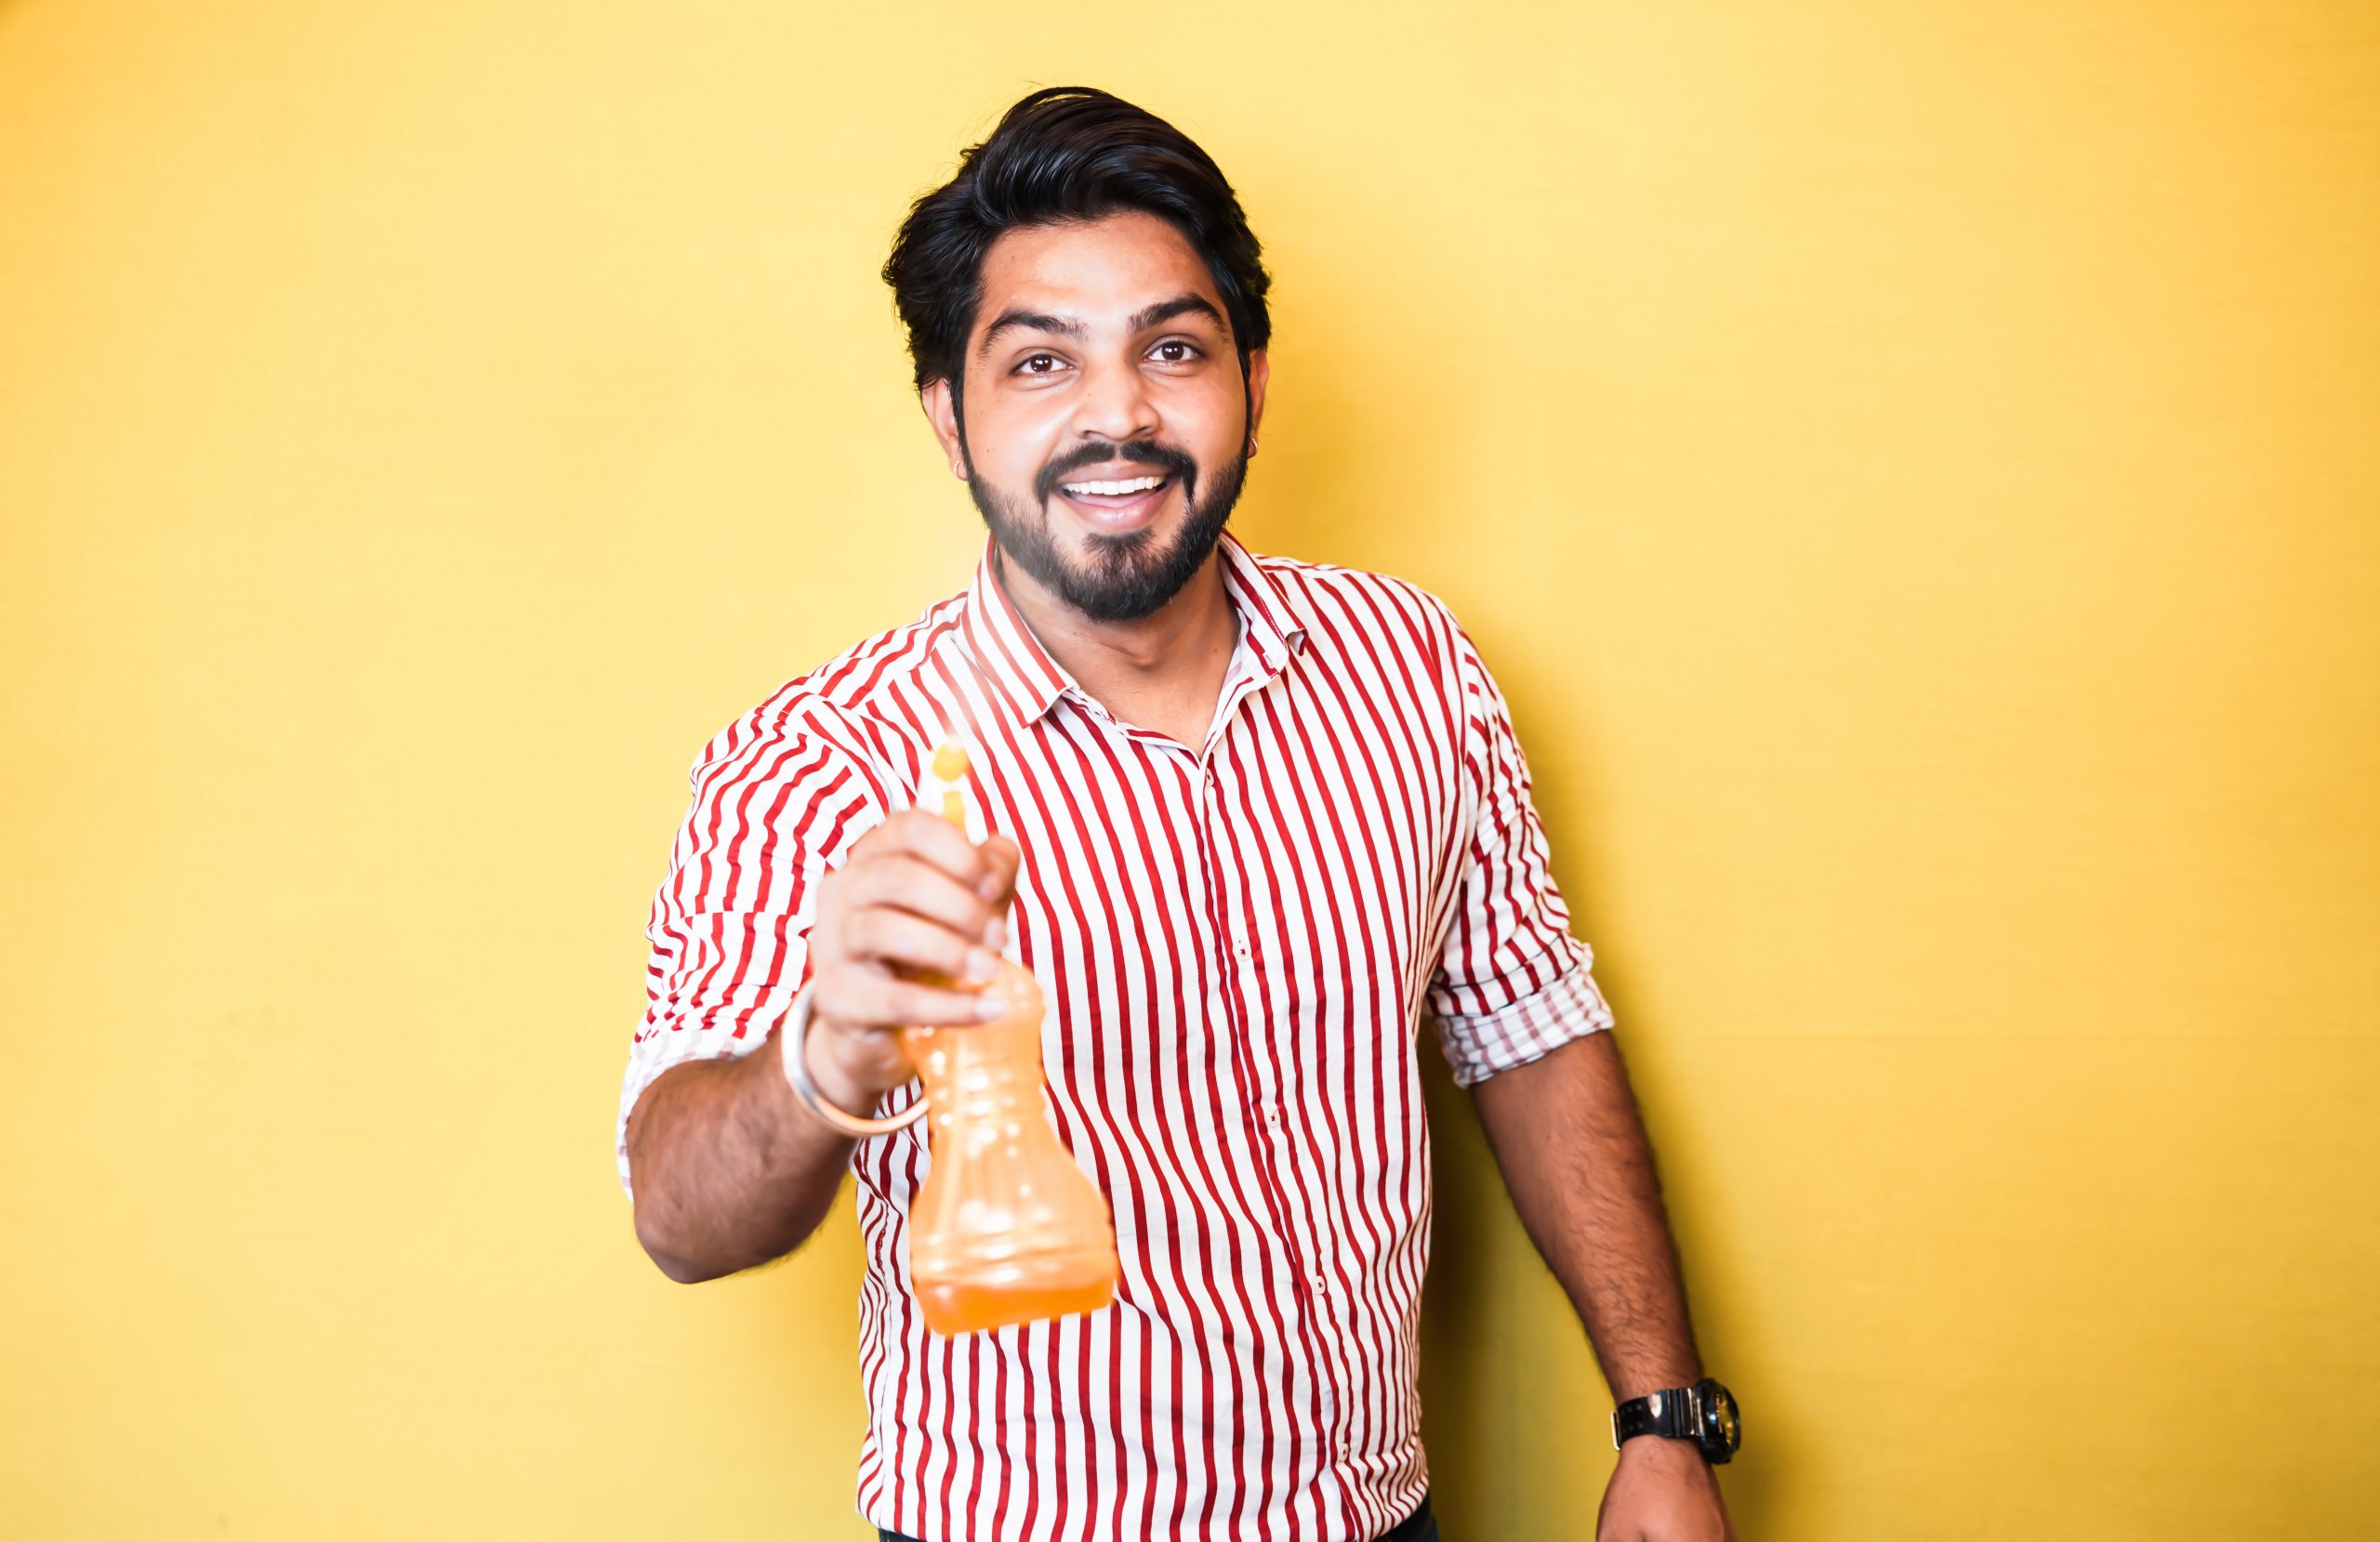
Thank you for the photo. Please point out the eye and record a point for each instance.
(1025, 366)
(1189, 351)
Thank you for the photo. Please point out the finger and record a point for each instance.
(903, 882)
(896, 937)
(866, 998)
(1003, 856)
(935, 840)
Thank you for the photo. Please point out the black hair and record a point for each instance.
(1063, 153)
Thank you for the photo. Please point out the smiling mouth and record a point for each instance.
(1120, 501)
(1116, 492)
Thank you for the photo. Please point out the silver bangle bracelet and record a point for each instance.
(793, 1053)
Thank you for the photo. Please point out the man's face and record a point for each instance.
(1101, 355)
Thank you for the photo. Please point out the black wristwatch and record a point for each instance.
(1704, 1413)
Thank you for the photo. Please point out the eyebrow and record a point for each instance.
(1016, 318)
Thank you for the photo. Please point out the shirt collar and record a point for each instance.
(1028, 683)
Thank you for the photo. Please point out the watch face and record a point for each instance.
(1719, 1415)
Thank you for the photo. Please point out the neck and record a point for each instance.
(1163, 671)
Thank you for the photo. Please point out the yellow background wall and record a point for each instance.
(1913, 468)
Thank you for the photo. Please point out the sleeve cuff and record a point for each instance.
(1480, 1044)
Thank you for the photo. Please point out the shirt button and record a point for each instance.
(1272, 1117)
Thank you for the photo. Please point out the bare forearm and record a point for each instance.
(729, 1170)
(1567, 1133)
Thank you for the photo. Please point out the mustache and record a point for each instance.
(1152, 457)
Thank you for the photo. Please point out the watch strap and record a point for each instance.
(1704, 1414)
(1672, 1412)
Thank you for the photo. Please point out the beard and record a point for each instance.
(1128, 576)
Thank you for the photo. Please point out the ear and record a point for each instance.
(935, 401)
(1260, 371)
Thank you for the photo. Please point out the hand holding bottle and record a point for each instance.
(908, 931)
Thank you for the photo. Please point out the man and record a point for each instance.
(1254, 815)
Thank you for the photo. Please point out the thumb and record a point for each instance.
(1005, 857)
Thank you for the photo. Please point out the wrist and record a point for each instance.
(1662, 1451)
(1701, 1419)
(827, 1085)
(834, 1081)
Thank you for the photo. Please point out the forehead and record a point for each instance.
(1097, 272)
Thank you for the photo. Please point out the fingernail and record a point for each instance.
(980, 964)
(990, 1007)
(990, 890)
(996, 934)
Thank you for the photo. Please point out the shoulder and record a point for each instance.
(834, 714)
(1363, 607)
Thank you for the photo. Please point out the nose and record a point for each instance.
(1114, 403)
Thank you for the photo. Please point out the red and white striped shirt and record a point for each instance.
(1237, 939)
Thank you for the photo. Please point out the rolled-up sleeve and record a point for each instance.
(775, 806)
(1512, 983)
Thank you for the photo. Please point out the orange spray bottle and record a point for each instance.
(1006, 1228)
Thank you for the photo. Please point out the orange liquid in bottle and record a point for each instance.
(1006, 1228)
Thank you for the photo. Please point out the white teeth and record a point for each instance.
(1137, 484)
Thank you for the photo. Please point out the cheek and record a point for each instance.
(1207, 424)
(1016, 440)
